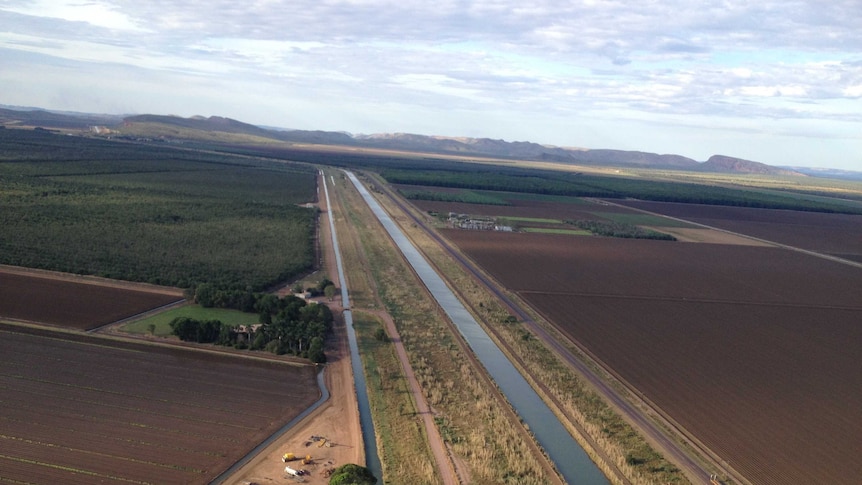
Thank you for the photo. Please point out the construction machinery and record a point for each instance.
(288, 457)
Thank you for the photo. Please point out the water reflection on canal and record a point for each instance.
(567, 455)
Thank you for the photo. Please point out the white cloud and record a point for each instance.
(102, 14)
(398, 63)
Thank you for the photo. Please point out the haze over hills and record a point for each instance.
(164, 127)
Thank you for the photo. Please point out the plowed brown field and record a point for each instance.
(752, 349)
(81, 409)
(836, 234)
(83, 305)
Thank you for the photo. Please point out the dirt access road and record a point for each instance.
(448, 474)
(337, 419)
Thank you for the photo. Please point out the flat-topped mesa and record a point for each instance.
(724, 163)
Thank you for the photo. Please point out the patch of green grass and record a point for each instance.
(550, 230)
(465, 196)
(540, 197)
(513, 196)
(162, 320)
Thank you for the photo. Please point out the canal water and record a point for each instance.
(369, 441)
(569, 458)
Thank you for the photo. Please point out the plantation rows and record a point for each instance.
(150, 214)
(537, 182)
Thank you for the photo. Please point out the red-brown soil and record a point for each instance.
(82, 409)
(753, 350)
(836, 234)
(79, 304)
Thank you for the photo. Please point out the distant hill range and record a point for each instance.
(160, 126)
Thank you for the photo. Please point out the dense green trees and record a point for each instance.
(619, 229)
(201, 331)
(351, 474)
(288, 325)
(152, 214)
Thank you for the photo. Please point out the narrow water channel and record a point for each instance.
(566, 454)
(369, 441)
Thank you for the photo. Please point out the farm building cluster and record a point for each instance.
(465, 221)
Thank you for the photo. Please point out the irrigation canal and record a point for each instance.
(369, 442)
(566, 454)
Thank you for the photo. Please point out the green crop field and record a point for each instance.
(152, 214)
(465, 196)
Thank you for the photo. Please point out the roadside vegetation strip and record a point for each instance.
(370, 444)
(401, 459)
(400, 432)
(480, 433)
(632, 454)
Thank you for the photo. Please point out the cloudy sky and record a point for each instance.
(774, 81)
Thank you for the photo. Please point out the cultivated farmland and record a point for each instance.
(836, 234)
(81, 304)
(82, 409)
(751, 349)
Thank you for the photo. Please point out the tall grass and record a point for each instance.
(478, 427)
(592, 421)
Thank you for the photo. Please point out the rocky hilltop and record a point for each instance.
(723, 163)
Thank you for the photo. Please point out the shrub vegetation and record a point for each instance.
(152, 214)
(619, 229)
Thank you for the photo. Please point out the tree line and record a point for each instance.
(572, 185)
(619, 229)
(288, 325)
